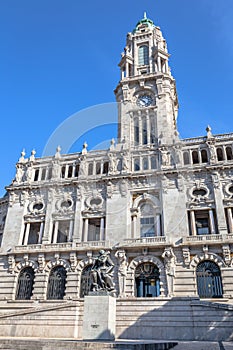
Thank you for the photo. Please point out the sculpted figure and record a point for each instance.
(125, 162)
(29, 173)
(112, 163)
(56, 170)
(19, 173)
(101, 272)
(122, 271)
(170, 266)
(83, 167)
(165, 157)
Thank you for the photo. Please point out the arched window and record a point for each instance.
(219, 154)
(70, 171)
(25, 284)
(195, 157)
(43, 174)
(147, 280)
(76, 170)
(136, 131)
(204, 157)
(85, 281)
(143, 55)
(36, 175)
(186, 158)
(98, 168)
(105, 168)
(57, 283)
(90, 169)
(209, 281)
(147, 220)
(229, 153)
(63, 172)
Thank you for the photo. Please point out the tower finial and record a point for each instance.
(145, 17)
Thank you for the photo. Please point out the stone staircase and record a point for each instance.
(52, 344)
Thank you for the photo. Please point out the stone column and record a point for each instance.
(140, 130)
(101, 229)
(41, 232)
(212, 223)
(134, 235)
(148, 129)
(71, 230)
(193, 223)
(230, 220)
(55, 231)
(158, 225)
(25, 241)
(159, 64)
(218, 196)
(85, 230)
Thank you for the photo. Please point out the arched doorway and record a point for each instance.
(57, 283)
(209, 280)
(85, 281)
(25, 284)
(147, 280)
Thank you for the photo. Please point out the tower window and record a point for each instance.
(229, 153)
(219, 154)
(143, 55)
(195, 157)
(204, 157)
(144, 131)
(136, 132)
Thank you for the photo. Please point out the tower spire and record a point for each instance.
(145, 16)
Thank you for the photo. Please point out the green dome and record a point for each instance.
(146, 21)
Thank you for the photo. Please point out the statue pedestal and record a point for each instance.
(99, 319)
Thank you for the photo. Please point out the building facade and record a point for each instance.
(160, 205)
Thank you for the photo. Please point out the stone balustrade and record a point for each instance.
(208, 238)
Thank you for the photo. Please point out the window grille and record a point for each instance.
(57, 283)
(25, 284)
(209, 281)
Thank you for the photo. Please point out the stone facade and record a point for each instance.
(161, 205)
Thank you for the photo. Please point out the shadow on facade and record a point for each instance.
(177, 319)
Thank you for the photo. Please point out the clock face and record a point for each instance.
(144, 101)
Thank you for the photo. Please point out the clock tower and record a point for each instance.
(146, 93)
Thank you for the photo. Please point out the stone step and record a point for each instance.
(51, 344)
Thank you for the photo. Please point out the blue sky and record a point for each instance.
(59, 57)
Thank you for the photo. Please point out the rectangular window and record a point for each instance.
(147, 227)
(94, 229)
(34, 233)
(63, 231)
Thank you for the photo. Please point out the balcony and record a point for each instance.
(145, 241)
(220, 238)
(66, 246)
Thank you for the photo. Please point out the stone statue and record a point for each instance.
(122, 271)
(170, 266)
(112, 163)
(29, 173)
(56, 170)
(83, 167)
(125, 162)
(19, 173)
(165, 158)
(101, 273)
